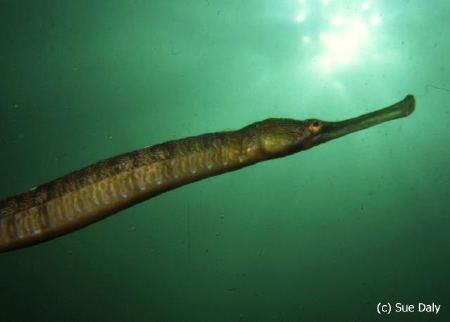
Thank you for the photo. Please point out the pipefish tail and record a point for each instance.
(106, 187)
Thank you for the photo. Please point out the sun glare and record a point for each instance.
(345, 35)
(301, 17)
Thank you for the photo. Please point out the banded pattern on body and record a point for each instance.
(108, 186)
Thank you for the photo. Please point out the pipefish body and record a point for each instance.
(106, 187)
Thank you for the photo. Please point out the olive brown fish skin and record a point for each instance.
(106, 187)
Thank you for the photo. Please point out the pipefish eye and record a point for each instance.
(314, 126)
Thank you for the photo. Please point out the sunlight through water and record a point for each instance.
(346, 32)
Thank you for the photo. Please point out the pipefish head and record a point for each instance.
(279, 137)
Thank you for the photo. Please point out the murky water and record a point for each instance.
(324, 235)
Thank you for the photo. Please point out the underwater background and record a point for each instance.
(323, 235)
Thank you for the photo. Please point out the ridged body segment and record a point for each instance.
(108, 186)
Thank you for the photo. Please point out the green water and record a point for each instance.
(324, 235)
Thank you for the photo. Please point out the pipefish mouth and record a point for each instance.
(106, 187)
